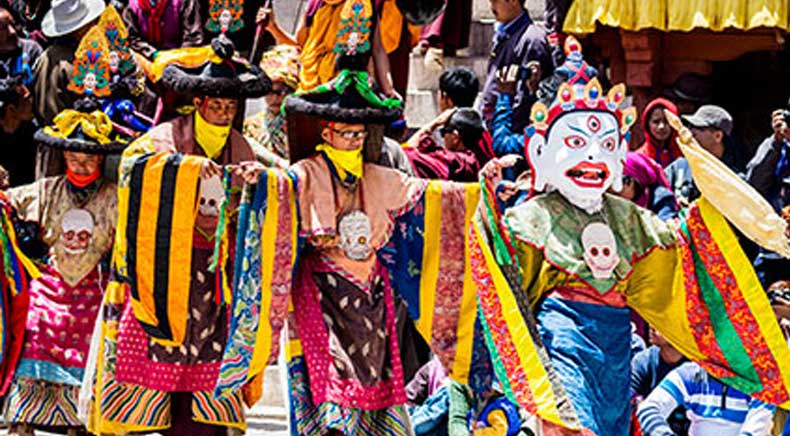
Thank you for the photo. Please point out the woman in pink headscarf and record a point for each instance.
(660, 144)
(645, 184)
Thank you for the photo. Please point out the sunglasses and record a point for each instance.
(351, 134)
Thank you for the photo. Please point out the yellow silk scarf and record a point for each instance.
(345, 161)
(96, 125)
(210, 138)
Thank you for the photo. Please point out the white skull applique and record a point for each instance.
(76, 231)
(225, 18)
(212, 194)
(600, 250)
(355, 232)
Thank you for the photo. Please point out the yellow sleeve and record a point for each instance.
(656, 291)
(530, 265)
(497, 425)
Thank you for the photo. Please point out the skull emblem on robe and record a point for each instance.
(600, 250)
(355, 232)
(212, 194)
(76, 231)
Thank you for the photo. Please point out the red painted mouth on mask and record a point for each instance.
(589, 175)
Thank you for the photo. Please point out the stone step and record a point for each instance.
(427, 79)
(273, 393)
(421, 107)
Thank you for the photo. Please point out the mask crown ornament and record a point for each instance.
(578, 144)
(120, 56)
(354, 34)
(225, 16)
(91, 66)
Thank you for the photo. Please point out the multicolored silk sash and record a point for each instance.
(158, 211)
(266, 250)
(17, 271)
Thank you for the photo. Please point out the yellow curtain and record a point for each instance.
(676, 15)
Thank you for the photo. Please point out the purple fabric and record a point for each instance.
(432, 161)
(171, 24)
(646, 172)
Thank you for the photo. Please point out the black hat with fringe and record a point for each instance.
(231, 77)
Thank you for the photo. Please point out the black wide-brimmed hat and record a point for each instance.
(84, 129)
(421, 12)
(347, 99)
(225, 76)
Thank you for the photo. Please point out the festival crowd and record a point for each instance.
(191, 193)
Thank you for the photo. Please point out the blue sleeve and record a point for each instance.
(505, 140)
(663, 203)
(427, 417)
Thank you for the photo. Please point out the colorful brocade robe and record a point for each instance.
(500, 295)
(165, 319)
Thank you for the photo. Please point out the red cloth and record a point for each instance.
(154, 14)
(451, 28)
(432, 161)
(661, 153)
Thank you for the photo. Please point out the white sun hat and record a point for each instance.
(66, 16)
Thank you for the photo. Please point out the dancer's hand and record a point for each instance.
(250, 171)
(210, 169)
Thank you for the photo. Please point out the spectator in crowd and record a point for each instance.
(769, 173)
(16, 115)
(458, 87)
(65, 24)
(660, 139)
(554, 15)
(17, 54)
(712, 407)
(267, 131)
(429, 399)
(508, 137)
(645, 184)
(489, 414)
(649, 367)
(163, 25)
(711, 126)
(517, 42)
(461, 131)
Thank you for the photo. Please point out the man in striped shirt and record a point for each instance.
(713, 408)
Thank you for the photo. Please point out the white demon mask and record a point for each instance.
(76, 231)
(581, 150)
(355, 232)
(212, 194)
(600, 250)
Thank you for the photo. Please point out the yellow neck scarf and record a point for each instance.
(345, 161)
(209, 137)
